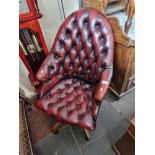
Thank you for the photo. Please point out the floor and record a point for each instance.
(112, 123)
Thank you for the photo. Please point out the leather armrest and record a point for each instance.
(103, 84)
(46, 86)
(35, 83)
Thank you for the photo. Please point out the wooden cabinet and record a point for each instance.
(96, 4)
(32, 46)
(126, 144)
(123, 79)
(115, 5)
(106, 6)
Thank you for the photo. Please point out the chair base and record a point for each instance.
(87, 133)
(59, 124)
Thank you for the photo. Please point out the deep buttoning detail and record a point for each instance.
(72, 73)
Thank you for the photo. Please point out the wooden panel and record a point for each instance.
(96, 4)
(131, 129)
(126, 144)
(31, 23)
(33, 10)
(107, 6)
(131, 83)
(115, 5)
(124, 58)
(121, 61)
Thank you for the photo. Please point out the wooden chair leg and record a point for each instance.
(128, 25)
(57, 126)
(87, 133)
(130, 13)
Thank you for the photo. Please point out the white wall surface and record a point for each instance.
(70, 6)
(51, 20)
(24, 82)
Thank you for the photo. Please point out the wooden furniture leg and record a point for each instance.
(57, 126)
(130, 12)
(87, 133)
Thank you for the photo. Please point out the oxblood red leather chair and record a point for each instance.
(76, 74)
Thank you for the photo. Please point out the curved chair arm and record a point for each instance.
(103, 84)
(46, 86)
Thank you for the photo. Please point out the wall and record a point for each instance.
(53, 16)
(70, 6)
(51, 19)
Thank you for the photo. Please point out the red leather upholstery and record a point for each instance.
(76, 74)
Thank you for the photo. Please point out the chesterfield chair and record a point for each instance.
(76, 74)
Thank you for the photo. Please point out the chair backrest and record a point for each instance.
(83, 48)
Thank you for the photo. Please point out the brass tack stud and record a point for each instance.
(104, 82)
(41, 71)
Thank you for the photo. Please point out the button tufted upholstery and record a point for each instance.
(76, 74)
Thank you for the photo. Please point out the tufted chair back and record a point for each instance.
(83, 49)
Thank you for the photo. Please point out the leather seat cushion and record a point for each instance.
(72, 101)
